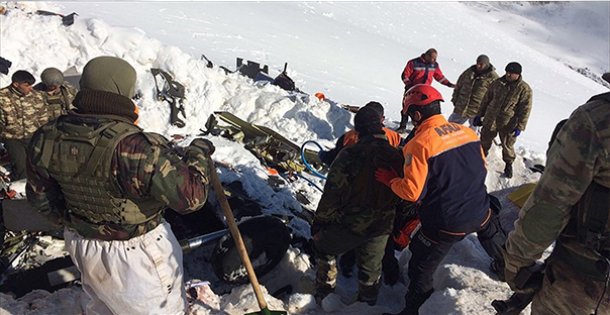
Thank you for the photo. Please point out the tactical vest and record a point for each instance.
(58, 103)
(590, 226)
(367, 206)
(79, 158)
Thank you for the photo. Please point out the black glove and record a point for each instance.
(477, 121)
(204, 145)
(323, 156)
(391, 270)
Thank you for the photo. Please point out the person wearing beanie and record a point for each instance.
(58, 94)
(444, 174)
(356, 212)
(351, 137)
(421, 70)
(109, 182)
(504, 111)
(22, 111)
(470, 89)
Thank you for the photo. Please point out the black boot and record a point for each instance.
(368, 293)
(347, 262)
(508, 171)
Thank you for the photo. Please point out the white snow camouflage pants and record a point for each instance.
(142, 275)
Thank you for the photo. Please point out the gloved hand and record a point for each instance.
(385, 176)
(451, 85)
(525, 279)
(204, 145)
(323, 156)
(390, 269)
(516, 132)
(477, 121)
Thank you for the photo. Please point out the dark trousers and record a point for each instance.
(427, 254)
(493, 239)
(16, 149)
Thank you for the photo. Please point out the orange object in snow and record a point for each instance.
(272, 171)
(320, 96)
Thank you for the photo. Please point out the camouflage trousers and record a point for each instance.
(16, 149)
(335, 240)
(459, 119)
(566, 291)
(507, 141)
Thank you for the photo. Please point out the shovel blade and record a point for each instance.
(266, 311)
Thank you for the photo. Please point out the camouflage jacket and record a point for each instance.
(21, 115)
(60, 102)
(143, 165)
(352, 197)
(579, 156)
(470, 90)
(506, 105)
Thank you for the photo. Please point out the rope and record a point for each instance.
(307, 165)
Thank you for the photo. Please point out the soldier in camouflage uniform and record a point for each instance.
(109, 183)
(355, 211)
(505, 110)
(22, 111)
(470, 89)
(57, 93)
(574, 187)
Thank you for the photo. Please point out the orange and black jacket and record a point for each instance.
(445, 169)
(351, 137)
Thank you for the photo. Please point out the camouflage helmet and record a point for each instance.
(52, 76)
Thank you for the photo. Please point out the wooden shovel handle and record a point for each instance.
(239, 242)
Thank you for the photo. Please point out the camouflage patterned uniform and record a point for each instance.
(470, 90)
(574, 281)
(356, 212)
(20, 116)
(505, 107)
(60, 102)
(109, 182)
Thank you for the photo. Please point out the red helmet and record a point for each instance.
(420, 95)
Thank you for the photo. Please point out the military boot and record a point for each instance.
(368, 293)
(347, 262)
(326, 278)
(508, 170)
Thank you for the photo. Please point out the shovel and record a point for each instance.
(239, 243)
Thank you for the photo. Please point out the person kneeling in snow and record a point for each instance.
(109, 182)
(355, 211)
(445, 170)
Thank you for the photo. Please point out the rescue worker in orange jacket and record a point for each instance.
(421, 70)
(445, 171)
(351, 137)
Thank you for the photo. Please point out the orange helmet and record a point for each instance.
(420, 95)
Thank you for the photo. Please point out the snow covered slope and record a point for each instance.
(354, 53)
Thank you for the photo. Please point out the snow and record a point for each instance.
(353, 52)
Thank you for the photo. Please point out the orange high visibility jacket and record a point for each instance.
(351, 137)
(445, 169)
